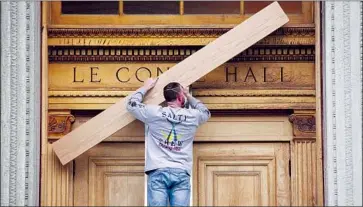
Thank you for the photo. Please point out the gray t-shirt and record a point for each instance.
(169, 132)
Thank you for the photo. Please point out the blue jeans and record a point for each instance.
(168, 185)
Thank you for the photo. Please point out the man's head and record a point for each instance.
(174, 95)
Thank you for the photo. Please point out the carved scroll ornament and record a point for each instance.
(304, 126)
(59, 125)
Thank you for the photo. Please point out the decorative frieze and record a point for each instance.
(164, 32)
(167, 36)
(175, 54)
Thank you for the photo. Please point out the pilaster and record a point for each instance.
(20, 103)
(304, 159)
(342, 81)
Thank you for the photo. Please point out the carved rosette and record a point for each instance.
(59, 124)
(303, 126)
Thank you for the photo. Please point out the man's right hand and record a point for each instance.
(186, 91)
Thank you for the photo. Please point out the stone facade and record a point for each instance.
(342, 102)
(20, 103)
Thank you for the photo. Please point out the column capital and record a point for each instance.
(59, 123)
(304, 126)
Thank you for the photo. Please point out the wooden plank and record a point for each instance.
(186, 72)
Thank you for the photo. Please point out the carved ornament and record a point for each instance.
(59, 124)
(167, 36)
(175, 54)
(304, 126)
(164, 32)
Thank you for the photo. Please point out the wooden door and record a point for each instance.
(241, 174)
(224, 174)
(110, 174)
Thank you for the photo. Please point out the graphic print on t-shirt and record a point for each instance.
(172, 140)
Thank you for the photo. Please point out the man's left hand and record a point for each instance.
(150, 83)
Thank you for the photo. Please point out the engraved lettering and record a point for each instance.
(228, 74)
(282, 75)
(265, 75)
(250, 74)
(140, 69)
(158, 71)
(74, 76)
(118, 76)
(94, 75)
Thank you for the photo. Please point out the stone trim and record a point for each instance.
(343, 102)
(20, 103)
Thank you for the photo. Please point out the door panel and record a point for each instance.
(118, 182)
(224, 174)
(241, 174)
(110, 174)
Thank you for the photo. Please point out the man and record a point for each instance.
(169, 134)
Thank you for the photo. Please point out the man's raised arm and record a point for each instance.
(135, 106)
(201, 109)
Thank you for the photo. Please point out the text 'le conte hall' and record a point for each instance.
(231, 74)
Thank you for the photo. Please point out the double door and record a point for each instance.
(224, 174)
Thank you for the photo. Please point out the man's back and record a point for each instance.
(169, 132)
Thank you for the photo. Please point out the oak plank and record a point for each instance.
(186, 72)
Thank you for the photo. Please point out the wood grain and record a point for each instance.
(57, 181)
(44, 192)
(304, 162)
(186, 72)
(217, 129)
(241, 174)
(224, 174)
(319, 110)
(110, 174)
(304, 176)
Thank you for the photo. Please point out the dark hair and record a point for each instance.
(171, 91)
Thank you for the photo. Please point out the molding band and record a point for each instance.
(196, 92)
